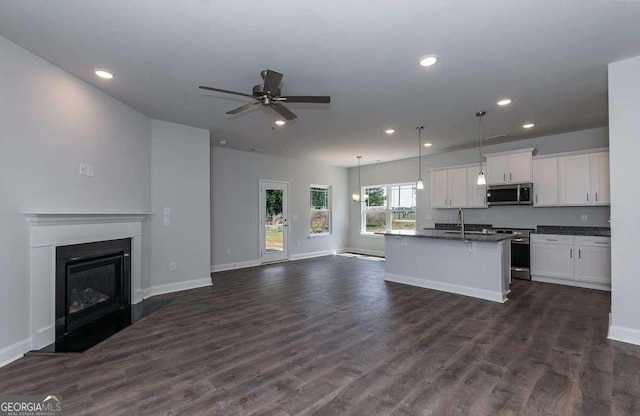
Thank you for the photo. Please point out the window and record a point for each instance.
(320, 198)
(389, 207)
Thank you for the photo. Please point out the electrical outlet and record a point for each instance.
(173, 266)
(294, 217)
(428, 217)
(167, 220)
(483, 217)
(89, 170)
(83, 169)
(166, 210)
(228, 252)
(299, 243)
(585, 218)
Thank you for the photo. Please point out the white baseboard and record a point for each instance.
(446, 287)
(312, 254)
(177, 287)
(44, 336)
(620, 333)
(15, 351)
(233, 266)
(567, 282)
(377, 253)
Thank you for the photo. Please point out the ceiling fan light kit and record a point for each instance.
(268, 94)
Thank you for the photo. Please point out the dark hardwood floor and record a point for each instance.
(328, 336)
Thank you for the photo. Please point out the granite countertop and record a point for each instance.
(450, 235)
(583, 231)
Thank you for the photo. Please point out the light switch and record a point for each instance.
(89, 170)
(294, 217)
(585, 218)
(167, 220)
(83, 169)
(166, 210)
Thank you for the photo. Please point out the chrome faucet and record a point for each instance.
(461, 219)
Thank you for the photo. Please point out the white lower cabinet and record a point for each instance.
(574, 260)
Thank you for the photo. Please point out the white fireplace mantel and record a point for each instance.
(51, 230)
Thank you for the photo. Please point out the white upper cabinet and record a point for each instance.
(519, 167)
(439, 189)
(458, 188)
(510, 167)
(545, 182)
(584, 179)
(450, 188)
(496, 170)
(600, 178)
(477, 194)
(575, 180)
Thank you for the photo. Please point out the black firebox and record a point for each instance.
(92, 281)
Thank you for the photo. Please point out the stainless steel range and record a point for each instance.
(520, 258)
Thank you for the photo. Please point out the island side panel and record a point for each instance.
(475, 269)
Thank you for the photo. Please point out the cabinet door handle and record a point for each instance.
(550, 239)
(570, 253)
(504, 177)
(596, 197)
(510, 178)
(536, 199)
(579, 253)
(587, 196)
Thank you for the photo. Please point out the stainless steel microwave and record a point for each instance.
(514, 194)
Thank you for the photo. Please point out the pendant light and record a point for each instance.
(482, 180)
(420, 184)
(356, 197)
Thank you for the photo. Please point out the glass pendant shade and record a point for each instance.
(420, 184)
(482, 180)
(356, 197)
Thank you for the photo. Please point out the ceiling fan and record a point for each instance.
(268, 94)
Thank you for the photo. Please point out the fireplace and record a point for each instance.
(92, 280)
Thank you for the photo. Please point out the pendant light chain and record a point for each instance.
(420, 183)
(482, 180)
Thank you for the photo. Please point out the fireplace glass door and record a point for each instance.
(93, 288)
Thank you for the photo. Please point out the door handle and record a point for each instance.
(571, 253)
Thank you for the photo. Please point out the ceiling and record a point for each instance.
(549, 57)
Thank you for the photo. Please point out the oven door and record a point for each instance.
(502, 195)
(520, 259)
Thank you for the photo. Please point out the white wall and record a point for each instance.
(180, 181)
(509, 216)
(235, 196)
(50, 122)
(624, 132)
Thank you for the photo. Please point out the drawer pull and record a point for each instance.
(571, 253)
(550, 239)
(601, 242)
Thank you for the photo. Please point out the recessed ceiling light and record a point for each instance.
(428, 60)
(504, 101)
(428, 144)
(280, 122)
(389, 131)
(104, 74)
(528, 125)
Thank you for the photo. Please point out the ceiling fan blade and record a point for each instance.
(242, 108)
(306, 99)
(271, 81)
(283, 111)
(203, 87)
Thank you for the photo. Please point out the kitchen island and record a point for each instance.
(474, 264)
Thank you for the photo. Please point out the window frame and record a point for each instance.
(387, 206)
(328, 209)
